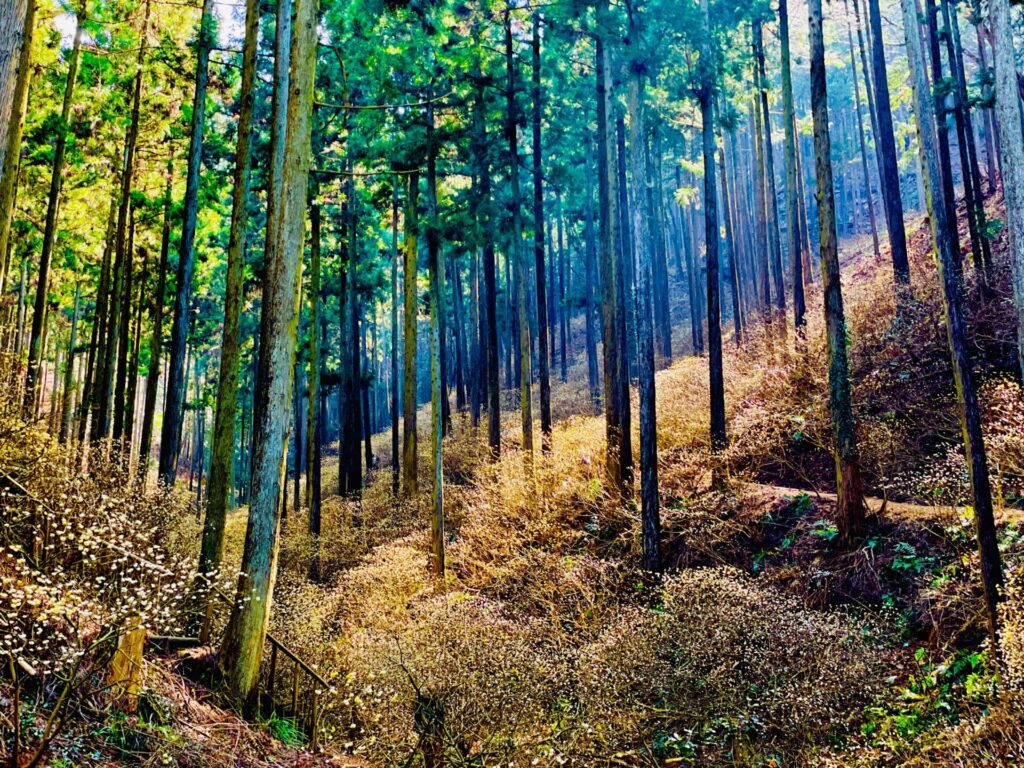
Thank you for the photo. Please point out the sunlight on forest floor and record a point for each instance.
(543, 626)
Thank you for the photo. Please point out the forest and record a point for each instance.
(472, 383)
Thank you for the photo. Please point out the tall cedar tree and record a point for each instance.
(947, 259)
(170, 434)
(850, 507)
(242, 647)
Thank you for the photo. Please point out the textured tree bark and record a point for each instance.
(170, 433)
(730, 240)
(863, 144)
(968, 146)
(525, 358)
(706, 96)
(642, 190)
(659, 227)
(18, 29)
(123, 337)
(564, 317)
(940, 110)
(156, 338)
(489, 341)
(314, 424)
(850, 507)
(590, 278)
(242, 648)
(1011, 148)
(761, 218)
(886, 145)
(410, 247)
(796, 255)
(948, 263)
(618, 458)
(69, 371)
(223, 449)
(543, 357)
(396, 462)
(50, 228)
(625, 251)
(771, 191)
(437, 305)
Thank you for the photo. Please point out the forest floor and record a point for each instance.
(765, 644)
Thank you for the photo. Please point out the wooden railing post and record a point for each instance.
(295, 691)
(314, 731)
(273, 677)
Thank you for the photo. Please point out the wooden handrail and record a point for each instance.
(294, 657)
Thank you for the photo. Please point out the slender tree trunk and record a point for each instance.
(14, 121)
(1011, 147)
(437, 305)
(886, 146)
(50, 226)
(223, 449)
(850, 507)
(771, 191)
(965, 127)
(642, 194)
(525, 376)
(242, 648)
(314, 424)
(940, 111)
(490, 292)
(69, 370)
(760, 203)
(706, 96)
(618, 461)
(730, 240)
(156, 339)
(951, 275)
(796, 255)
(863, 144)
(170, 432)
(410, 246)
(590, 300)
(538, 246)
(396, 465)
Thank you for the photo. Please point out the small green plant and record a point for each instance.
(285, 729)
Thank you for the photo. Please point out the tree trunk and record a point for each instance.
(642, 189)
(410, 246)
(796, 255)
(590, 278)
(156, 339)
(706, 97)
(437, 305)
(242, 648)
(50, 226)
(618, 460)
(69, 370)
(850, 508)
(223, 449)
(886, 146)
(525, 376)
(771, 191)
(490, 292)
(314, 425)
(170, 432)
(396, 465)
(950, 273)
(538, 247)
(863, 144)
(14, 120)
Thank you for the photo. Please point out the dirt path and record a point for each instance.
(894, 510)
